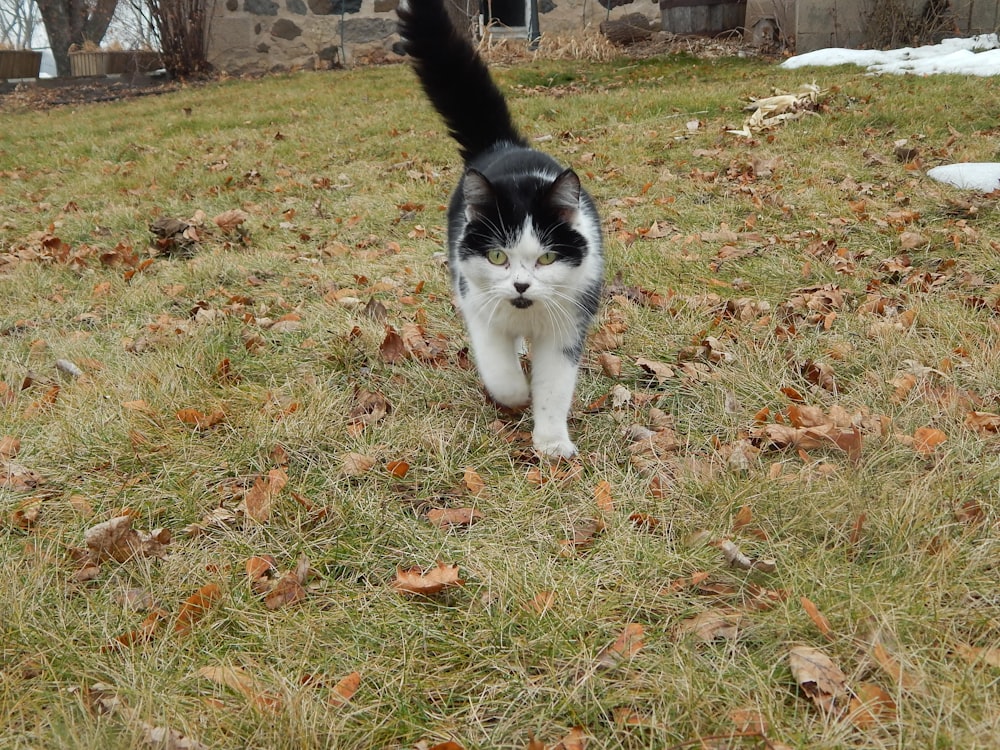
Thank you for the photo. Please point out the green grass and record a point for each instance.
(322, 164)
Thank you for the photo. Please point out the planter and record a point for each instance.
(702, 16)
(89, 63)
(19, 63)
(113, 62)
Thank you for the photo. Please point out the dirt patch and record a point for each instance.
(46, 93)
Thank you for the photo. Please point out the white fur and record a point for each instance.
(553, 324)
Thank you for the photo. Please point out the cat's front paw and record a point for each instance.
(554, 448)
(514, 396)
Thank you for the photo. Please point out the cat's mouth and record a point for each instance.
(521, 302)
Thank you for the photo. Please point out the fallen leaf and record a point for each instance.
(9, 447)
(906, 679)
(258, 500)
(927, 439)
(393, 349)
(659, 370)
(356, 464)
(575, 740)
(398, 469)
(199, 420)
(820, 679)
(344, 690)
(819, 620)
(473, 482)
(425, 583)
(714, 624)
(625, 647)
(611, 364)
(584, 533)
(242, 682)
(446, 517)
(978, 420)
(735, 557)
(979, 654)
(115, 539)
(541, 602)
(871, 706)
(602, 496)
(229, 220)
(196, 606)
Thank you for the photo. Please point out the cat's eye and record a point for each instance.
(547, 259)
(497, 257)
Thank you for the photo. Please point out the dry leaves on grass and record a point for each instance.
(257, 502)
(115, 539)
(192, 610)
(417, 582)
(276, 589)
(243, 682)
(626, 646)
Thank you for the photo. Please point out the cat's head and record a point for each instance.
(524, 238)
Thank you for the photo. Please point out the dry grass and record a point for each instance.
(343, 177)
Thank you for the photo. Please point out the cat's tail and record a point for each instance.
(455, 78)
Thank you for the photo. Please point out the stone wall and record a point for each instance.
(274, 35)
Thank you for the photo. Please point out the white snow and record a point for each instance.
(976, 56)
(982, 176)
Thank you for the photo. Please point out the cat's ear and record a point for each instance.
(564, 195)
(478, 193)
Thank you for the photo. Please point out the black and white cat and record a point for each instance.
(524, 238)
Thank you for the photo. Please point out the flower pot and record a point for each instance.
(88, 63)
(19, 63)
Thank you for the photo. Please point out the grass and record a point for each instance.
(343, 177)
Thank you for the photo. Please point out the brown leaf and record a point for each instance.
(425, 583)
(871, 706)
(983, 421)
(196, 606)
(344, 690)
(9, 447)
(145, 632)
(229, 220)
(25, 515)
(820, 679)
(287, 590)
(473, 482)
(927, 439)
(447, 517)
(602, 496)
(115, 539)
(575, 740)
(584, 533)
(978, 654)
(611, 364)
(14, 476)
(199, 420)
(906, 679)
(392, 349)
(398, 469)
(242, 682)
(356, 464)
(819, 620)
(714, 624)
(659, 370)
(625, 647)
(258, 500)
(541, 602)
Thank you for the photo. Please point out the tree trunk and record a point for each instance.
(69, 22)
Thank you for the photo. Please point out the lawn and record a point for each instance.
(252, 494)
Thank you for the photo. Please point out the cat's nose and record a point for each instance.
(521, 286)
